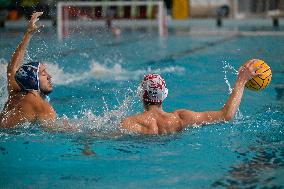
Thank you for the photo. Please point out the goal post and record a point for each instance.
(94, 12)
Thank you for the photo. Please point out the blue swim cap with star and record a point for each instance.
(27, 76)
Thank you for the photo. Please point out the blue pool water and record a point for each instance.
(96, 77)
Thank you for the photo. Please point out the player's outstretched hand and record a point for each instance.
(32, 27)
(248, 71)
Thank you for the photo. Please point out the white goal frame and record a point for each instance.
(63, 24)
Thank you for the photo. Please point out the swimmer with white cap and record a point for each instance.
(28, 88)
(154, 120)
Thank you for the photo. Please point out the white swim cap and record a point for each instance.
(153, 88)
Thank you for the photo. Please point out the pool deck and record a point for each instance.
(208, 22)
(247, 27)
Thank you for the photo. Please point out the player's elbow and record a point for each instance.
(227, 116)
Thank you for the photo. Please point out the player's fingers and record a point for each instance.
(258, 68)
(256, 74)
(37, 14)
(251, 63)
(34, 20)
(33, 16)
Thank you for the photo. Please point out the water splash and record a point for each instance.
(59, 77)
(106, 125)
(229, 69)
(109, 122)
(3, 82)
(103, 72)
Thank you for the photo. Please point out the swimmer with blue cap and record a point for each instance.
(154, 120)
(28, 87)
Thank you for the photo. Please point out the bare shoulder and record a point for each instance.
(31, 97)
(183, 112)
(134, 124)
(186, 116)
(21, 109)
(128, 121)
(32, 100)
(30, 103)
(42, 108)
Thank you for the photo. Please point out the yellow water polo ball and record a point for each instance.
(261, 81)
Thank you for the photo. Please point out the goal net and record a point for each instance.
(72, 15)
(256, 8)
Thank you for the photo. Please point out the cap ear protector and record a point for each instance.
(165, 94)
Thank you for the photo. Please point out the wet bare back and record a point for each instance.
(154, 122)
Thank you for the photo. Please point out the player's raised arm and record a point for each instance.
(246, 72)
(18, 55)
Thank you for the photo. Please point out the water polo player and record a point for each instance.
(28, 87)
(154, 120)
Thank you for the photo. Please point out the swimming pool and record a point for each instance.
(95, 79)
